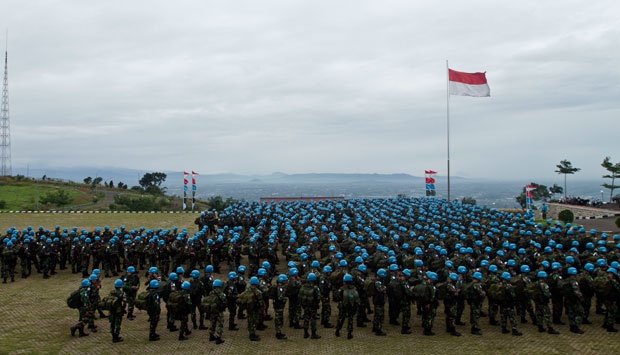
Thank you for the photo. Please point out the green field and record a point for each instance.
(34, 318)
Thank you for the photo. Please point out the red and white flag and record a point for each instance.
(468, 84)
(194, 173)
(430, 172)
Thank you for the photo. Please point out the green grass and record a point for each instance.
(34, 318)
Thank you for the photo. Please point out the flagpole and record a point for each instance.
(448, 121)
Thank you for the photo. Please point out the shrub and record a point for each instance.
(566, 216)
(618, 222)
(2, 204)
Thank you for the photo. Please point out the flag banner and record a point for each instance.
(430, 180)
(194, 188)
(430, 186)
(530, 188)
(185, 181)
(185, 173)
(468, 84)
(184, 204)
(193, 181)
(432, 172)
(194, 173)
(184, 187)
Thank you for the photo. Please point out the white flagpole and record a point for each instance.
(448, 121)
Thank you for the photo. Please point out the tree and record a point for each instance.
(58, 198)
(540, 192)
(152, 179)
(614, 173)
(97, 181)
(555, 189)
(88, 180)
(111, 183)
(468, 200)
(565, 167)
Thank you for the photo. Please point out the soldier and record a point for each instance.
(541, 295)
(405, 302)
(557, 297)
(524, 301)
(449, 303)
(9, 262)
(585, 282)
(207, 284)
(241, 286)
(264, 283)
(196, 292)
(309, 297)
(171, 286)
(378, 300)
(184, 309)
(493, 305)
(507, 305)
(131, 282)
(573, 299)
(292, 292)
(348, 303)
(475, 298)
(153, 308)
(232, 292)
(394, 293)
(85, 254)
(278, 305)
(325, 286)
(254, 306)
(429, 306)
(84, 310)
(611, 309)
(217, 314)
(116, 312)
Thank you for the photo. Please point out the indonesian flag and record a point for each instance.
(430, 172)
(529, 188)
(185, 173)
(468, 84)
(194, 173)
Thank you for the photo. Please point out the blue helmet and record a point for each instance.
(506, 275)
(293, 271)
(154, 284)
(571, 271)
(186, 285)
(431, 275)
(461, 269)
(342, 263)
(454, 276)
(493, 268)
(525, 269)
(131, 269)
(180, 270)
(315, 264)
(262, 272)
(266, 264)
(381, 273)
(232, 275)
(195, 274)
(93, 277)
(477, 275)
(96, 271)
(118, 283)
(483, 263)
(254, 280)
(241, 269)
(347, 278)
(85, 283)
(361, 268)
(613, 271)
(217, 283)
(589, 267)
(312, 277)
(153, 270)
(282, 278)
(327, 269)
(173, 276)
(542, 275)
(209, 269)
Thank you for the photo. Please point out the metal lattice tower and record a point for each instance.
(4, 121)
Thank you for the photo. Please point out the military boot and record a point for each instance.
(315, 336)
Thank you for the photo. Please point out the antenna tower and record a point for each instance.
(4, 121)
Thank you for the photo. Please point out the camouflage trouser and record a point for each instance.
(574, 311)
(326, 310)
(196, 310)
(8, 269)
(428, 316)
(543, 314)
(379, 317)
(115, 323)
(294, 312)
(474, 314)
(131, 300)
(524, 305)
(153, 320)
(217, 324)
(558, 305)
(587, 304)
(183, 326)
(232, 311)
(460, 307)
(508, 314)
(345, 314)
(170, 317)
(253, 320)
(278, 319)
(611, 311)
(310, 318)
(450, 311)
(493, 311)
(86, 316)
(405, 309)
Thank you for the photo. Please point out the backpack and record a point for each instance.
(520, 285)
(74, 300)
(245, 298)
(602, 286)
(350, 298)
(141, 300)
(533, 290)
(175, 301)
(441, 290)
(109, 302)
(273, 292)
(467, 290)
(369, 287)
(496, 293)
(210, 304)
(422, 293)
(306, 295)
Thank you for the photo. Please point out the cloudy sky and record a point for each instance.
(254, 87)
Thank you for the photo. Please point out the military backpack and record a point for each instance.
(141, 300)
(74, 300)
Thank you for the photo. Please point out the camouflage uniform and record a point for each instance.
(310, 311)
(231, 292)
(254, 308)
(217, 315)
(153, 308)
(278, 305)
(131, 285)
(326, 308)
(294, 308)
(115, 316)
(378, 300)
(507, 308)
(475, 306)
(574, 307)
(346, 310)
(611, 308)
(541, 301)
(405, 306)
(85, 312)
(183, 314)
(493, 306)
(429, 309)
(449, 303)
(557, 298)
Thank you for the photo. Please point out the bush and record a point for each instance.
(566, 216)
(618, 222)
(2, 204)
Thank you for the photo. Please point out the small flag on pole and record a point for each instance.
(468, 84)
